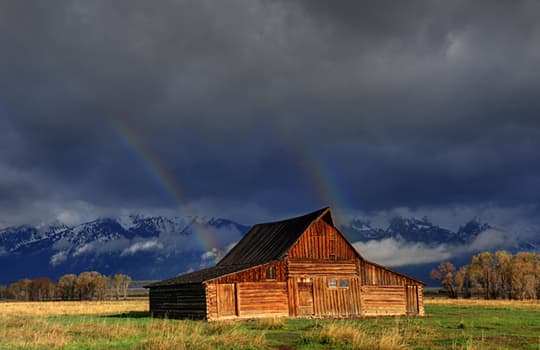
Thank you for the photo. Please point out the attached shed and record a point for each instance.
(300, 267)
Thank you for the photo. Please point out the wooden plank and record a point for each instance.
(307, 268)
(305, 298)
(314, 245)
(258, 298)
(257, 274)
(292, 297)
(226, 297)
(383, 300)
(372, 274)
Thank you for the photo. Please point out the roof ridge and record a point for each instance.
(293, 218)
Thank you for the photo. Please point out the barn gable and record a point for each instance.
(271, 241)
(321, 241)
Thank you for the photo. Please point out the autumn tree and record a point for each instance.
(525, 276)
(90, 285)
(461, 279)
(502, 275)
(481, 270)
(21, 289)
(445, 274)
(66, 287)
(102, 287)
(120, 283)
(493, 275)
(125, 285)
(4, 292)
(41, 289)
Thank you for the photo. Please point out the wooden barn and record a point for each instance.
(300, 267)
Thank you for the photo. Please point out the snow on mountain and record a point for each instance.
(414, 246)
(154, 247)
(144, 247)
(413, 230)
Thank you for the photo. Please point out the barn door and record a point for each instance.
(226, 299)
(305, 298)
(411, 293)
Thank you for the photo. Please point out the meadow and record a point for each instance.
(449, 324)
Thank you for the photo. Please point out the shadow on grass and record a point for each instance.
(131, 314)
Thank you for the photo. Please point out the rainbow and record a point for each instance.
(322, 181)
(162, 178)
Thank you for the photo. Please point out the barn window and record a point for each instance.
(343, 283)
(332, 283)
(270, 273)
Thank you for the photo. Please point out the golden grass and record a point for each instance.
(166, 335)
(29, 326)
(529, 304)
(25, 325)
(17, 332)
(58, 308)
(358, 336)
(269, 323)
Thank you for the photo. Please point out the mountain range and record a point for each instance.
(157, 247)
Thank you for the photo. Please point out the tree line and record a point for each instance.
(498, 275)
(89, 285)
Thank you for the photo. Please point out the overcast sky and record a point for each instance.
(256, 110)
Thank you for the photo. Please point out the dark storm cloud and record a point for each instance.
(409, 104)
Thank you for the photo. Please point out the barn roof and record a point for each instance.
(262, 244)
(270, 241)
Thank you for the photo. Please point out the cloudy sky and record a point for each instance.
(256, 110)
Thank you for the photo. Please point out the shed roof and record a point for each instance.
(199, 276)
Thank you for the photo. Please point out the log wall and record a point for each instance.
(383, 300)
(211, 301)
(182, 301)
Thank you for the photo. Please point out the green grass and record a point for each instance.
(444, 327)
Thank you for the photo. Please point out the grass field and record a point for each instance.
(450, 324)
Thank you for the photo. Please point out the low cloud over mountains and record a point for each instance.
(159, 247)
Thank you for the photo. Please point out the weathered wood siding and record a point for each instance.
(337, 301)
(181, 301)
(303, 268)
(372, 274)
(292, 297)
(305, 297)
(246, 300)
(226, 299)
(322, 242)
(261, 299)
(256, 274)
(382, 300)
(421, 310)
